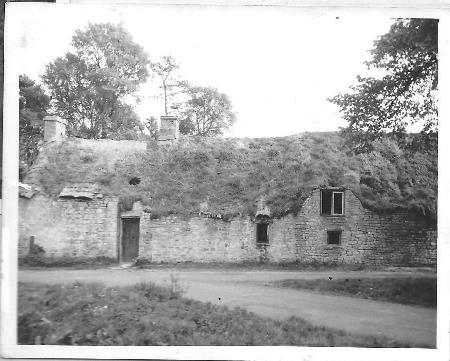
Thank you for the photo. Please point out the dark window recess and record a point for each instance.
(326, 201)
(261, 233)
(134, 181)
(337, 203)
(334, 237)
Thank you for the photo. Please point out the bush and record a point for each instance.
(141, 262)
(36, 250)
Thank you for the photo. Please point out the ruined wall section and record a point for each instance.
(202, 239)
(400, 238)
(69, 227)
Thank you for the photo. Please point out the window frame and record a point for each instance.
(332, 203)
(333, 192)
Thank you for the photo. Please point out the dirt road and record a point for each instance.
(416, 325)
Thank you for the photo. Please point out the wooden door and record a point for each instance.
(130, 239)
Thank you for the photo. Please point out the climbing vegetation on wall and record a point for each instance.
(228, 176)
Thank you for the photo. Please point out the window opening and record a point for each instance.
(334, 237)
(338, 203)
(261, 233)
(327, 196)
(332, 202)
(134, 181)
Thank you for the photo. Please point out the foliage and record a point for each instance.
(412, 290)
(147, 314)
(207, 112)
(33, 106)
(405, 94)
(88, 87)
(165, 68)
(125, 124)
(152, 127)
(226, 177)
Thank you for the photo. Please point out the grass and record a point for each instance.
(42, 261)
(226, 177)
(419, 291)
(249, 265)
(146, 314)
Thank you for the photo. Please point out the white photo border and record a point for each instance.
(9, 267)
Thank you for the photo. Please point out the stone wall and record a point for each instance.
(89, 228)
(399, 238)
(201, 239)
(69, 227)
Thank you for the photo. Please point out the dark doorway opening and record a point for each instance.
(130, 239)
(261, 233)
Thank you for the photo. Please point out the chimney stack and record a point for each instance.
(169, 130)
(54, 128)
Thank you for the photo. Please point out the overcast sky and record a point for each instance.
(277, 65)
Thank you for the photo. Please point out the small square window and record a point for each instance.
(334, 237)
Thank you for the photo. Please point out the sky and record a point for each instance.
(278, 65)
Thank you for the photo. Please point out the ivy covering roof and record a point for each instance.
(227, 176)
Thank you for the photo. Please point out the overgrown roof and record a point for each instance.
(228, 176)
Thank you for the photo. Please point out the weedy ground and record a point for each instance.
(407, 290)
(146, 314)
(41, 261)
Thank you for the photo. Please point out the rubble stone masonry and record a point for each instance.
(69, 227)
(399, 238)
(201, 239)
(90, 228)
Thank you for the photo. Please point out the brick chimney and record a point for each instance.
(169, 130)
(54, 128)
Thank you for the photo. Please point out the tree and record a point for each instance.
(406, 92)
(33, 106)
(207, 112)
(88, 86)
(125, 124)
(165, 69)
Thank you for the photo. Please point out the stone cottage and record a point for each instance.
(332, 226)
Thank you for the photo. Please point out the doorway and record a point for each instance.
(130, 239)
(261, 233)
